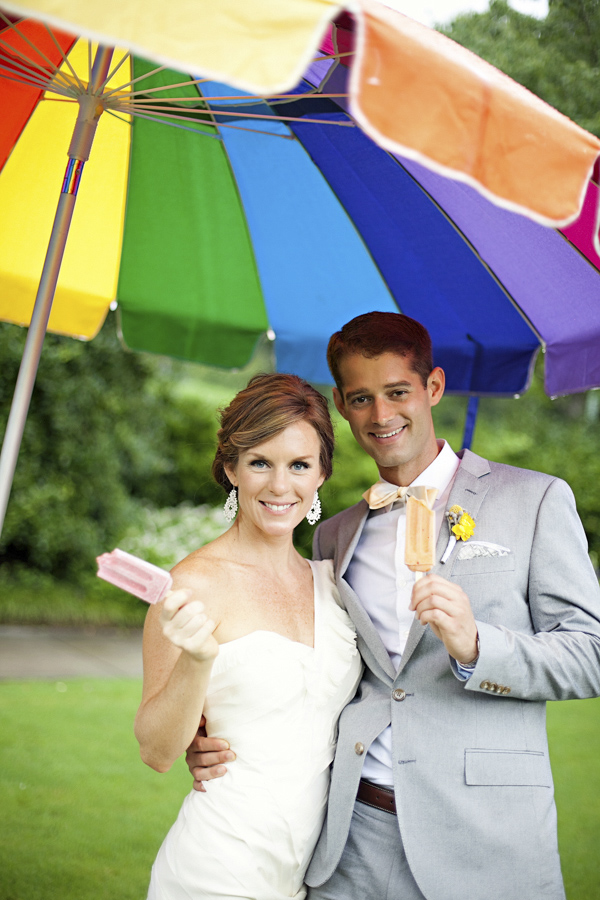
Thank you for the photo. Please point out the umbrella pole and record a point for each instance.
(470, 421)
(83, 135)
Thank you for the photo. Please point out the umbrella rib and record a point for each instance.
(285, 137)
(213, 119)
(139, 115)
(165, 87)
(271, 100)
(575, 247)
(167, 110)
(16, 69)
(217, 125)
(30, 82)
(25, 62)
(120, 118)
(114, 70)
(291, 98)
(333, 56)
(12, 56)
(328, 74)
(27, 76)
(35, 49)
(65, 59)
(158, 100)
(23, 81)
(63, 91)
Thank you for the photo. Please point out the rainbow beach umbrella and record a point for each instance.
(214, 215)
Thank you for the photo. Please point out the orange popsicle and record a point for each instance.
(419, 552)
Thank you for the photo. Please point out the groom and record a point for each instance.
(441, 787)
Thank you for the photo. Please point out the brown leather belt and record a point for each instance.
(374, 795)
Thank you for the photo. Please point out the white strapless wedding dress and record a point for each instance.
(277, 702)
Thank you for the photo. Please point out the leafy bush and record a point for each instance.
(105, 428)
(559, 437)
(162, 536)
(31, 597)
(165, 536)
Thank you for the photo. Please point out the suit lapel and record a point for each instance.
(369, 641)
(468, 491)
(348, 536)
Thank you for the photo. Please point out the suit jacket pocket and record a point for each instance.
(507, 767)
(483, 565)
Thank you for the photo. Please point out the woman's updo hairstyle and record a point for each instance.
(268, 405)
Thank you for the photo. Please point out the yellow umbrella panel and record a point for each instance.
(29, 187)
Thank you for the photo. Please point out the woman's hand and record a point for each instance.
(186, 625)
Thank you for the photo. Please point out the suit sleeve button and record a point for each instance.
(506, 690)
(398, 694)
(485, 686)
(359, 748)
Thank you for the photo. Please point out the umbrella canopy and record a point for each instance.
(413, 90)
(278, 216)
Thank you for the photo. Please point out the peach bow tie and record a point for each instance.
(380, 494)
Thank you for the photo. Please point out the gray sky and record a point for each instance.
(432, 11)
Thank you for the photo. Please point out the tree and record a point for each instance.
(557, 58)
(105, 429)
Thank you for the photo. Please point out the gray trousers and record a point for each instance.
(373, 865)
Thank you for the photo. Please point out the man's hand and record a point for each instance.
(445, 607)
(205, 757)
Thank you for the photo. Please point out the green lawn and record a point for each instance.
(574, 731)
(82, 817)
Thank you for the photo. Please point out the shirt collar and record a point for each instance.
(440, 472)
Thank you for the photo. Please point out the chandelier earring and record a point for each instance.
(231, 505)
(314, 513)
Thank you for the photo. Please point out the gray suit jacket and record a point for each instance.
(471, 771)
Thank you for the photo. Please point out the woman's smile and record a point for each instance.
(277, 507)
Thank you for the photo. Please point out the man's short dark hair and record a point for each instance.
(375, 333)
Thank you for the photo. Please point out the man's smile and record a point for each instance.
(388, 434)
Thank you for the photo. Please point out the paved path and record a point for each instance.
(38, 652)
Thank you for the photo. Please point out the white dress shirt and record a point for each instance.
(379, 577)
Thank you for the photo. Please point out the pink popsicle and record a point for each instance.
(138, 577)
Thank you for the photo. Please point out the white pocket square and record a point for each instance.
(473, 549)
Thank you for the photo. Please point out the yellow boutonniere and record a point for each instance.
(461, 523)
(462, 527)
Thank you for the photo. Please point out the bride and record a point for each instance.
(253, 638)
